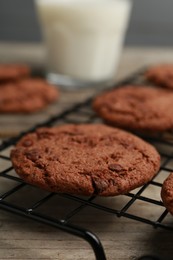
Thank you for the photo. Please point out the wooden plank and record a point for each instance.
(122, 238)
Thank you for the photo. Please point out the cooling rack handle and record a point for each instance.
(90, 237)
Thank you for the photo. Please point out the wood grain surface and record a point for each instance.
(122, 238)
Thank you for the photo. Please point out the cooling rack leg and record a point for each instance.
(90, 237)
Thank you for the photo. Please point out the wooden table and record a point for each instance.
(122, 238)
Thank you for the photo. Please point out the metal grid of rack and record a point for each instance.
(35, 208)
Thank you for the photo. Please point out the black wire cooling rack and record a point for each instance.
(37, 201)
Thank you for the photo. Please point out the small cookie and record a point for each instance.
(161, 75)
(138, 108)
(167, 193)
(85, 160)
(10, 72)
(26, 95)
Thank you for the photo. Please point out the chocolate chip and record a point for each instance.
(92, 143)
(65, 148)
(32, 155)
(47, 150)
(54, 158)
(115, 167)
(99, 185)
(43, 134)
(116, 156)
(28, 143)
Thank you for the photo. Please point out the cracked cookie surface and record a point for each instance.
(26, 95)
(139, 108)
(85, 160)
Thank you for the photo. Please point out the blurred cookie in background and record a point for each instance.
(161, 75)
(137, 108)
(10, 72)
(26, 95)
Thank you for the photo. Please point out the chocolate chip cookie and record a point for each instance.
(85, 160)
(9, 72)
(137, 108)
(161, 75)
(26, 95)
(167, 193)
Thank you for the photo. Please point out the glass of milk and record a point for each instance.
(83, 39)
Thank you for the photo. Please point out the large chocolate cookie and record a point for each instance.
(26, 95)
(13, 71)
(167, 193)
(137, 108)
(161, 75)
(85, 159)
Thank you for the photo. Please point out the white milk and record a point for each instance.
(84, 37)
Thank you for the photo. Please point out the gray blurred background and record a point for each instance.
(151, 22)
